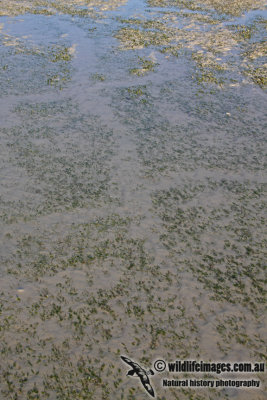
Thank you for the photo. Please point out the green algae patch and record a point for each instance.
(243, 32)
(191, 5)
(234, 8)
(52, 64)
(256, 51)
(223, 54)
(254, 65)
(80, 8)
(206, 47)
(132, 39)
(171, 50)
(98, 77)
(59, 53)
(208, 69)
(138, 91)
(146, 66)
(228, 7)
(258, 75)
(202, 18)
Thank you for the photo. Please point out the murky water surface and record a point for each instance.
(132, 193)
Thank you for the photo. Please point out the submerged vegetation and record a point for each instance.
(204, 31)
(145, 66)
(213, 45)
(132, 195)
(233, 8)
(80, 8)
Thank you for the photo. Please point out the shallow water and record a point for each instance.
(132, 194)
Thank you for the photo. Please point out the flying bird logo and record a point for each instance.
(140, 373)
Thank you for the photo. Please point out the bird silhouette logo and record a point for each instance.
(140, 373)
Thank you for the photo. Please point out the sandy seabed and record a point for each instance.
(132, 197)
